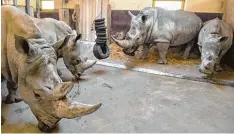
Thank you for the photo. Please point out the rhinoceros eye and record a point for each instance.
(37, 96)
(210, 58)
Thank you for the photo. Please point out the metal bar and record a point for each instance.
(14, 2)
(27, 7)
(155, 72)
(101, 7)
(38, 8)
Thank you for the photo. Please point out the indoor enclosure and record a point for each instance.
(133, 66)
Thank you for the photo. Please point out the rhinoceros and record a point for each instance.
(54, 30)
(28, 63)
(214, 40)
(161, 27)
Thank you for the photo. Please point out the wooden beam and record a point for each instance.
(27, 7)
(77, 10)
(38, 8)
(228, 14)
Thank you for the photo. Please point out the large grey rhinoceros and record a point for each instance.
(214, 40)
(28, 63)
(54, 30)
(161, 27)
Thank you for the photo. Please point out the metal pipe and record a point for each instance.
(38, 8)
(27, 7)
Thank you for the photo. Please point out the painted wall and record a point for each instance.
(130, 4)
(208, 6)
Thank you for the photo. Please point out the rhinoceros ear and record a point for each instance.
(223, 38)
(61, 43)
(132, 15)
(79, 36)
(23, 46)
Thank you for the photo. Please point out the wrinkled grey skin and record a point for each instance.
(54, 30)
(28, 63)
(214, 40)
(160, 27)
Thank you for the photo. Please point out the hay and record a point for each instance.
(172, 57)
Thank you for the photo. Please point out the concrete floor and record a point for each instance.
(138, 102)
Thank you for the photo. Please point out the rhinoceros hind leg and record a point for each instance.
(162, 50)
(13, 95)
(187, 50)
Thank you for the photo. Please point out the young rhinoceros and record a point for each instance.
(161, 27)
(28, 63)
(214, 40)
(54, 30)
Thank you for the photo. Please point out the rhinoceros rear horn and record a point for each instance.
(62, 89)
(72, 109)
(132, 15)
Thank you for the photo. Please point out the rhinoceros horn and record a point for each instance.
(66, 108)
(123, 43)
(132, 15)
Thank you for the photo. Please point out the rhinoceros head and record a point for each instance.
(210, 52)
(41, 87)
(69, 50)
(137, 34)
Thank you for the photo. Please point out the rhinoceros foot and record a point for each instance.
(2, 120)
(13, 98)
(218, 68)
(162, 61)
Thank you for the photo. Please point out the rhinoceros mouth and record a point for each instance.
(45, 128)
(205, 71)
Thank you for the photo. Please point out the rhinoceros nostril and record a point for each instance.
(208, 66)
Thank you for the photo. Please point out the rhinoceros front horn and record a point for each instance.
(72, 109)
(122, 43)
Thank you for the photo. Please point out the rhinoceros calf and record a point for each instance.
(28, 63)
(161, 27)
(54, 30)
(214, 40)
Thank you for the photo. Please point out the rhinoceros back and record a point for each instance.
(14, 22)
(183, 26)
(53, 30)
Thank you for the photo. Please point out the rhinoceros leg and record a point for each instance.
(162, 50)
(2, 120)
(145, 51)
(188, 48)
(218, 67)
(59, 72)
(13, 95)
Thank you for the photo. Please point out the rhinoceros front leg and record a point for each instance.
(13, 94)
(145, 51)
(218, 67)
(162, 50)
(59, 72)
(187, 50)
